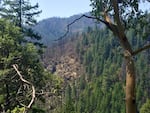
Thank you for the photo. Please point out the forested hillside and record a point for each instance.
(53, 28)
(99, 84)
(101, 88)
(91, 69)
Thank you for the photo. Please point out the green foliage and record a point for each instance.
(37, 110)
(145, 107)
(22, 14)
(10, 38)
(69, 108)
(10, 53)
(101, 89)
(13, 50)
(13, 91)
(132, 16)
(17, 17)
(18, 110)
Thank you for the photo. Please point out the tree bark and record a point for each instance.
(130, 85)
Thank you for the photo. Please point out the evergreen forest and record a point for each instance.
(98, 62)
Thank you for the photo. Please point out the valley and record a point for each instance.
(99, 63)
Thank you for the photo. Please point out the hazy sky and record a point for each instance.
(61, 8)
(66, 8)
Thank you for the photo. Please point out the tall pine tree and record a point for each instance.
(22, 14)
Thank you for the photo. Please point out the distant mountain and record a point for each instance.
(53, 28)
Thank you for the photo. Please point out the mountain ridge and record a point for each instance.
(52, 28)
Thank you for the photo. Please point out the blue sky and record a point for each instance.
(66, 8)
(61, 8)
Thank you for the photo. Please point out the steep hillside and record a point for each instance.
(62, 60)
(94, 64)
(102, 86)
(53, 28)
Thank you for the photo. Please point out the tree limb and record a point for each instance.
(117, 16)
(27, 82)
(141, 49)
(120, 28)
(111, 26)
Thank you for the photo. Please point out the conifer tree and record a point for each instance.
(9, 54)
(22, 14)
(16, 49)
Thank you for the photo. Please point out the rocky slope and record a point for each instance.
(63, 61)
(67, 67)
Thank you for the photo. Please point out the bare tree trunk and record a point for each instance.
(130, 85)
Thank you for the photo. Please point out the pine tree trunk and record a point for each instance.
(130, 85)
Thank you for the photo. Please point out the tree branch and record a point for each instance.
(117, 16)
(141, 49)
(111, 26)
(120, 28)
(26, 82)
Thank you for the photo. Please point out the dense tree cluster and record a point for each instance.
(101, 90)
(19, 47)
